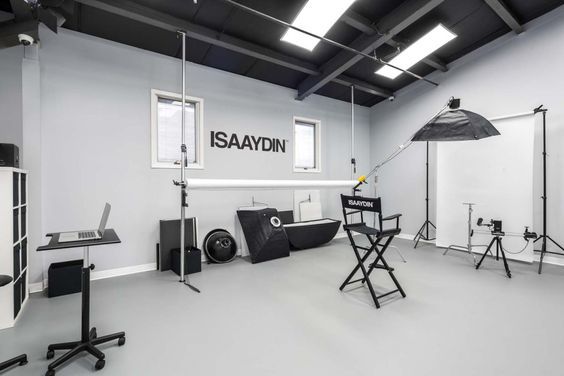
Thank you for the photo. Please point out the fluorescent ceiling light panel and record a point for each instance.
(316, 17)
(419, 50)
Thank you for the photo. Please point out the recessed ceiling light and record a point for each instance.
(419, 50)
(316, 17)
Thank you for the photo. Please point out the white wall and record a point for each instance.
(513, 74)
(11, 96)
(95, 143)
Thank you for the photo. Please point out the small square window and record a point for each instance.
(306, 145)
(166, 129)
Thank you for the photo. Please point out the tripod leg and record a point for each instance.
(484, 255)
(507, 271)
(555, 242)
(543, 251)
(419, 235)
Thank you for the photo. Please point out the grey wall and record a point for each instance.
(511, 75)
(95, 118)
(11, 95)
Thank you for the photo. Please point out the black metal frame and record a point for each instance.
(423, 233)
(18, 360)
(375, 237)
(498, 249)
(89, 337)
(544, 235)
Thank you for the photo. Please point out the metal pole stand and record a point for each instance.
(468, 246)
(543, 251)
(498, 249)
(183, 162)
(423, 233)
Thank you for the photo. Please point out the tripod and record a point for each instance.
(423, 233)
(498, 249)
(544, 235)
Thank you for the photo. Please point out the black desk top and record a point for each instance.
(110, 237)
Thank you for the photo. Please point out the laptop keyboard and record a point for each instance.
(86, 234)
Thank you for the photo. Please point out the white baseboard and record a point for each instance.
(102, 274)
(35, 287)
(550, 260)
(340, 235)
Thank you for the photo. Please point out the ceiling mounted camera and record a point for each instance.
(26, 40)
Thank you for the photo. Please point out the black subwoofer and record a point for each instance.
(220, 247)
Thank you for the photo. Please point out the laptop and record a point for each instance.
(78, 236)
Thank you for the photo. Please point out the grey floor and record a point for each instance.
(287, 317)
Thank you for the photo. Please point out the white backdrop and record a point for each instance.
(496, 174)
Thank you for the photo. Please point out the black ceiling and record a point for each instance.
(474, 21)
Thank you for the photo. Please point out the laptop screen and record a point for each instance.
(104, 219)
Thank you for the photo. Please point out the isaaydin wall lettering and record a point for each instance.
(247, 142)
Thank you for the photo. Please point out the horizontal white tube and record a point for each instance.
(512, 116)
(267, 184)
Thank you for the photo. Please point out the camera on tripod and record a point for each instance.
(495, 226)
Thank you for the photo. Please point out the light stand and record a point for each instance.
(468, 247)
(544, 235)
(183, 161)
(423, 233)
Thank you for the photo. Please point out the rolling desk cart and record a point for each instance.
(89, 337)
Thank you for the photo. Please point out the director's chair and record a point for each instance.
(379, 240)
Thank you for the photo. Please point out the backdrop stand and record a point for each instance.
(423, 233)
(544, 235)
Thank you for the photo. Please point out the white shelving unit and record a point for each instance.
(13, 243)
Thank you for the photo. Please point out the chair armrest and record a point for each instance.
(390, 217)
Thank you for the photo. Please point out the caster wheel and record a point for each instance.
(50, 372)
(100, 364)
(95, 335)
(121, 341)
(23, 362)
(50, 355)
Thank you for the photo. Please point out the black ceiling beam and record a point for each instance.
(363, 86)
(21, 10)
(5, 16)
(361, 23)
(403, 16)
(165, 21)
(501, 9)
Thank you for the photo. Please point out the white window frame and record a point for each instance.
(199, 108)
(317, 125)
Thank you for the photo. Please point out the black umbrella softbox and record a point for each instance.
(264, 233)
(456, 125)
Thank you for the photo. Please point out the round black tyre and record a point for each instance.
(220, 247)
(100, 364)
(50, 354)
(50, 372)
(121, 341)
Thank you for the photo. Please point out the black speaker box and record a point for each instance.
(9, 155)
(192, 260)
(65, 278)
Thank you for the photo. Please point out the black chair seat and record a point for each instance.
(361, 228)
(4, 280)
